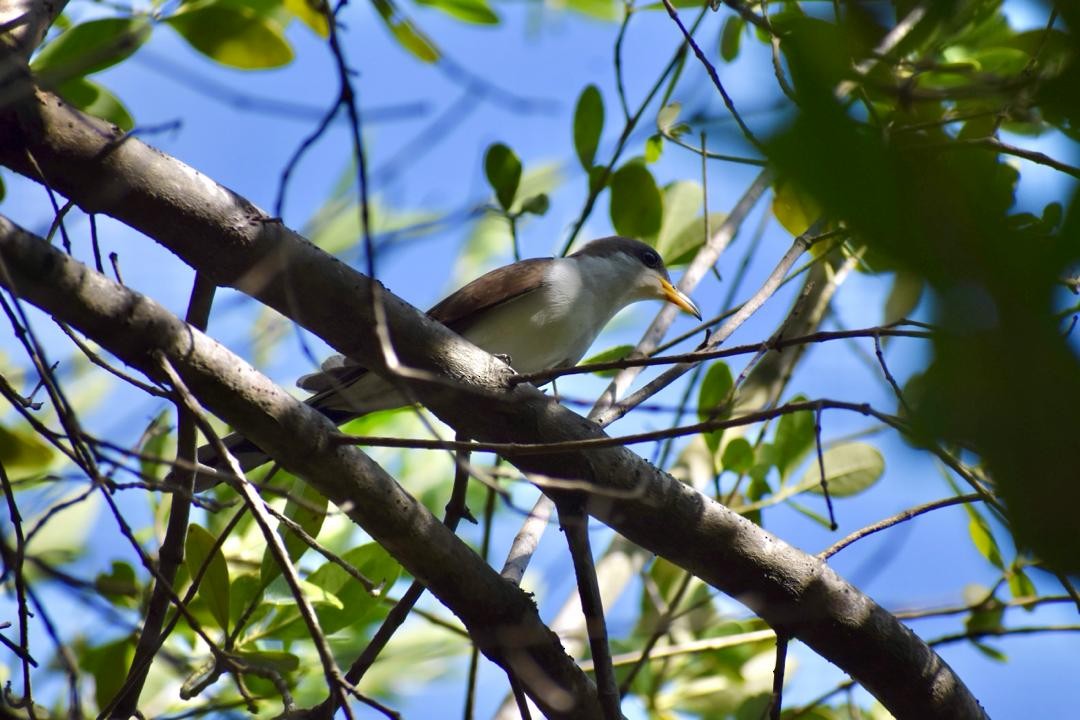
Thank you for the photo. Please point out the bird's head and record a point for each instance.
(634, 270)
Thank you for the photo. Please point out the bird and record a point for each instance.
(538, 314)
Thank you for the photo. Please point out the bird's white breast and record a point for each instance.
(553, 325)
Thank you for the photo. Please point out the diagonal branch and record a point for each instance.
(501, 619)
(224, 236)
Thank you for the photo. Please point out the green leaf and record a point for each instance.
(1051, 215)
(654, 147)
(406, 33)
(986, 617)
(850, 468)
(477, 12)
(794, 439)
(984, 541)
(682, 202)
(713, 399)
(214, 588)
(536, 205)
(307, 508)
(243, 590)
(119, 584)
(65, 535)
(759, 482)
(612, 354)
(233, 35)
(152, 445)
(272, 660)
(374, 563)
(738, 455)
(904, 296)
(1020, 586)
(598, 178)
(22, 451)
(637, 206)
(90, 47)
(1001, 61)
(95, 100)
(607, 10)
(684, 244)
(107, 664)
(992, 653)
(309, 13)
(503, 170)
(730, 37)
(666, 121)
(793, 208)
(588, 124)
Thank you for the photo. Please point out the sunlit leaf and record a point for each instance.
(984, 541)
(738, 455)
(64, 535)
(307, 508)
(685, 244)
(477, 12)
(588, 124)
(990, 652)
(666, 120)
(90, 47)
(406, 33)
(233, 35)
(1020, 586)
(95, 100)
(374, 563)
(794, 439)
(214, 588)
(793, 208)
(309, 13)
(713, 400)
(654, 147)
(22, 451)
(850, 468)
(682, 202)
(608, 10)
(612, 354)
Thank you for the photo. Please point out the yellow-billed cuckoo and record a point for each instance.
(541, 314)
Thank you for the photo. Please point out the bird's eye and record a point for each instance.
(651, 259)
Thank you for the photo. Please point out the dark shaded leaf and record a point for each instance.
(214, 588)
(637, 206)
(503, 170)
(588, 125)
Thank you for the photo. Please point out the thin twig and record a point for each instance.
(574, 522)
(896, 520)
(714, 76)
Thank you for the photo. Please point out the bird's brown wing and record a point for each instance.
(457, 311)
(461, 308)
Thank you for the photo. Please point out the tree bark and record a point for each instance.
(224, 236)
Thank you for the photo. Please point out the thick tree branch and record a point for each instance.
(223, 235)
(501, 619)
